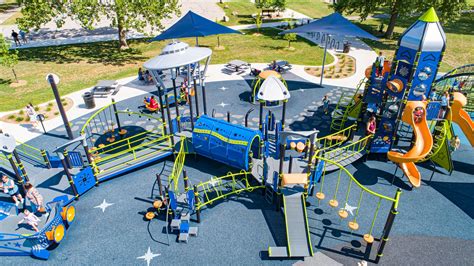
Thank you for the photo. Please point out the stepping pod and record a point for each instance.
(369, 239)
(320, 195)
(333, 203)
(343, 214)
(353, 225)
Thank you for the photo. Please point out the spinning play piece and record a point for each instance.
(122, 132)
(150, 215)
(157, 204)
(369, 238)
(333, 203)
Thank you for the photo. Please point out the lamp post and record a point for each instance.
(53, 80)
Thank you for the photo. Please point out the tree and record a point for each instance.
(448, 10)
(290, 37)
(258, 21)
(123, 14)
(279, 5)
(8, 58)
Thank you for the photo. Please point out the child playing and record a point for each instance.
(35, 198)
(10, 188)
(418, 113)
(30, 219)
(326, 102)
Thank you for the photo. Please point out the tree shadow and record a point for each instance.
(106, 53)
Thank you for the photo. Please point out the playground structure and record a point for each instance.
(53, 230)
(398, 98)
(289, 168)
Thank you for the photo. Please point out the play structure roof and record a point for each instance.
(177, 54)
(193, 25)
(426, 34)
(272, 89)
(334, 24)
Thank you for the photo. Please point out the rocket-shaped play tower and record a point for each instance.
(398, 94)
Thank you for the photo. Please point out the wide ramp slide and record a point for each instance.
(461, 117)
(297, 229)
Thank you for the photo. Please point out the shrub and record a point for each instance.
(64, 103)
(56, 113)
(27, 119)
(21, 112)
(37, 108)
(11, 117)
(50, 104)
(19, 119)
(48, 109)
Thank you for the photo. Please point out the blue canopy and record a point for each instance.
(193, 25)
(334, 24)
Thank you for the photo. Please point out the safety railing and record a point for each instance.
(342, 110)
(104, 161)
(178, 164)
(344, 152)
(88, 121)
(221, 187)
(335, 139)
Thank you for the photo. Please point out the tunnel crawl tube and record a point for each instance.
(224, 142)
(422, 146)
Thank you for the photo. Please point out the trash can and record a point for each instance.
(89, 100)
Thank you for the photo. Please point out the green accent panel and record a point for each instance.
(429, 16)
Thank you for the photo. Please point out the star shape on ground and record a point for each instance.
(350, 209)
(223, 88)
(148, 256)
(222, 104)
(104, 205)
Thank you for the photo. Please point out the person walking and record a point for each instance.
(30, 111)
(15, 38)
(326, 102)
(23, 37)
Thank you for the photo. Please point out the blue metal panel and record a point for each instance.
(84, 180)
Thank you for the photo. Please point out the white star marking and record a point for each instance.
(148, 256)
(223, 104)
(213, 182)
(350, 209)
(223, 88)
(302, 90)
(104, 205)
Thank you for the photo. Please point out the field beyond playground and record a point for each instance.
(81, 66)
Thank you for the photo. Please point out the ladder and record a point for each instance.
(344, 108)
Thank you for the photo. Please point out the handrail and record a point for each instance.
(326, 138)
(216, 182)
(131, 137)
(128, 143)
(342, 168)
(361, 144)
(83, 129)
(178, 165)
(442, 136)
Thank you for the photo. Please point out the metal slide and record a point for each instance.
(297, 229)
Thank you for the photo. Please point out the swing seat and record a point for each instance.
(122, 132)
(343, 214)
(333, 203)
(157, 204)
(320, 195)
(353, 226)
(369, 239)
(150, 215)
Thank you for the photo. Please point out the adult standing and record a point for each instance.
(9, 187)
(15, 38)
(30, 111)
(23, 36)
(379, 62)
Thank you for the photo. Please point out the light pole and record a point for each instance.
(53, 80)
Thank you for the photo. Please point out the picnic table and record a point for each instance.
(280, 65)
(237, 65)
(104, 88)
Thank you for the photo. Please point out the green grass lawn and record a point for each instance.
(244, 9)
(311, 8)
(81, 66)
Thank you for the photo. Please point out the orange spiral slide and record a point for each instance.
(421, 147)
(461, 117)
